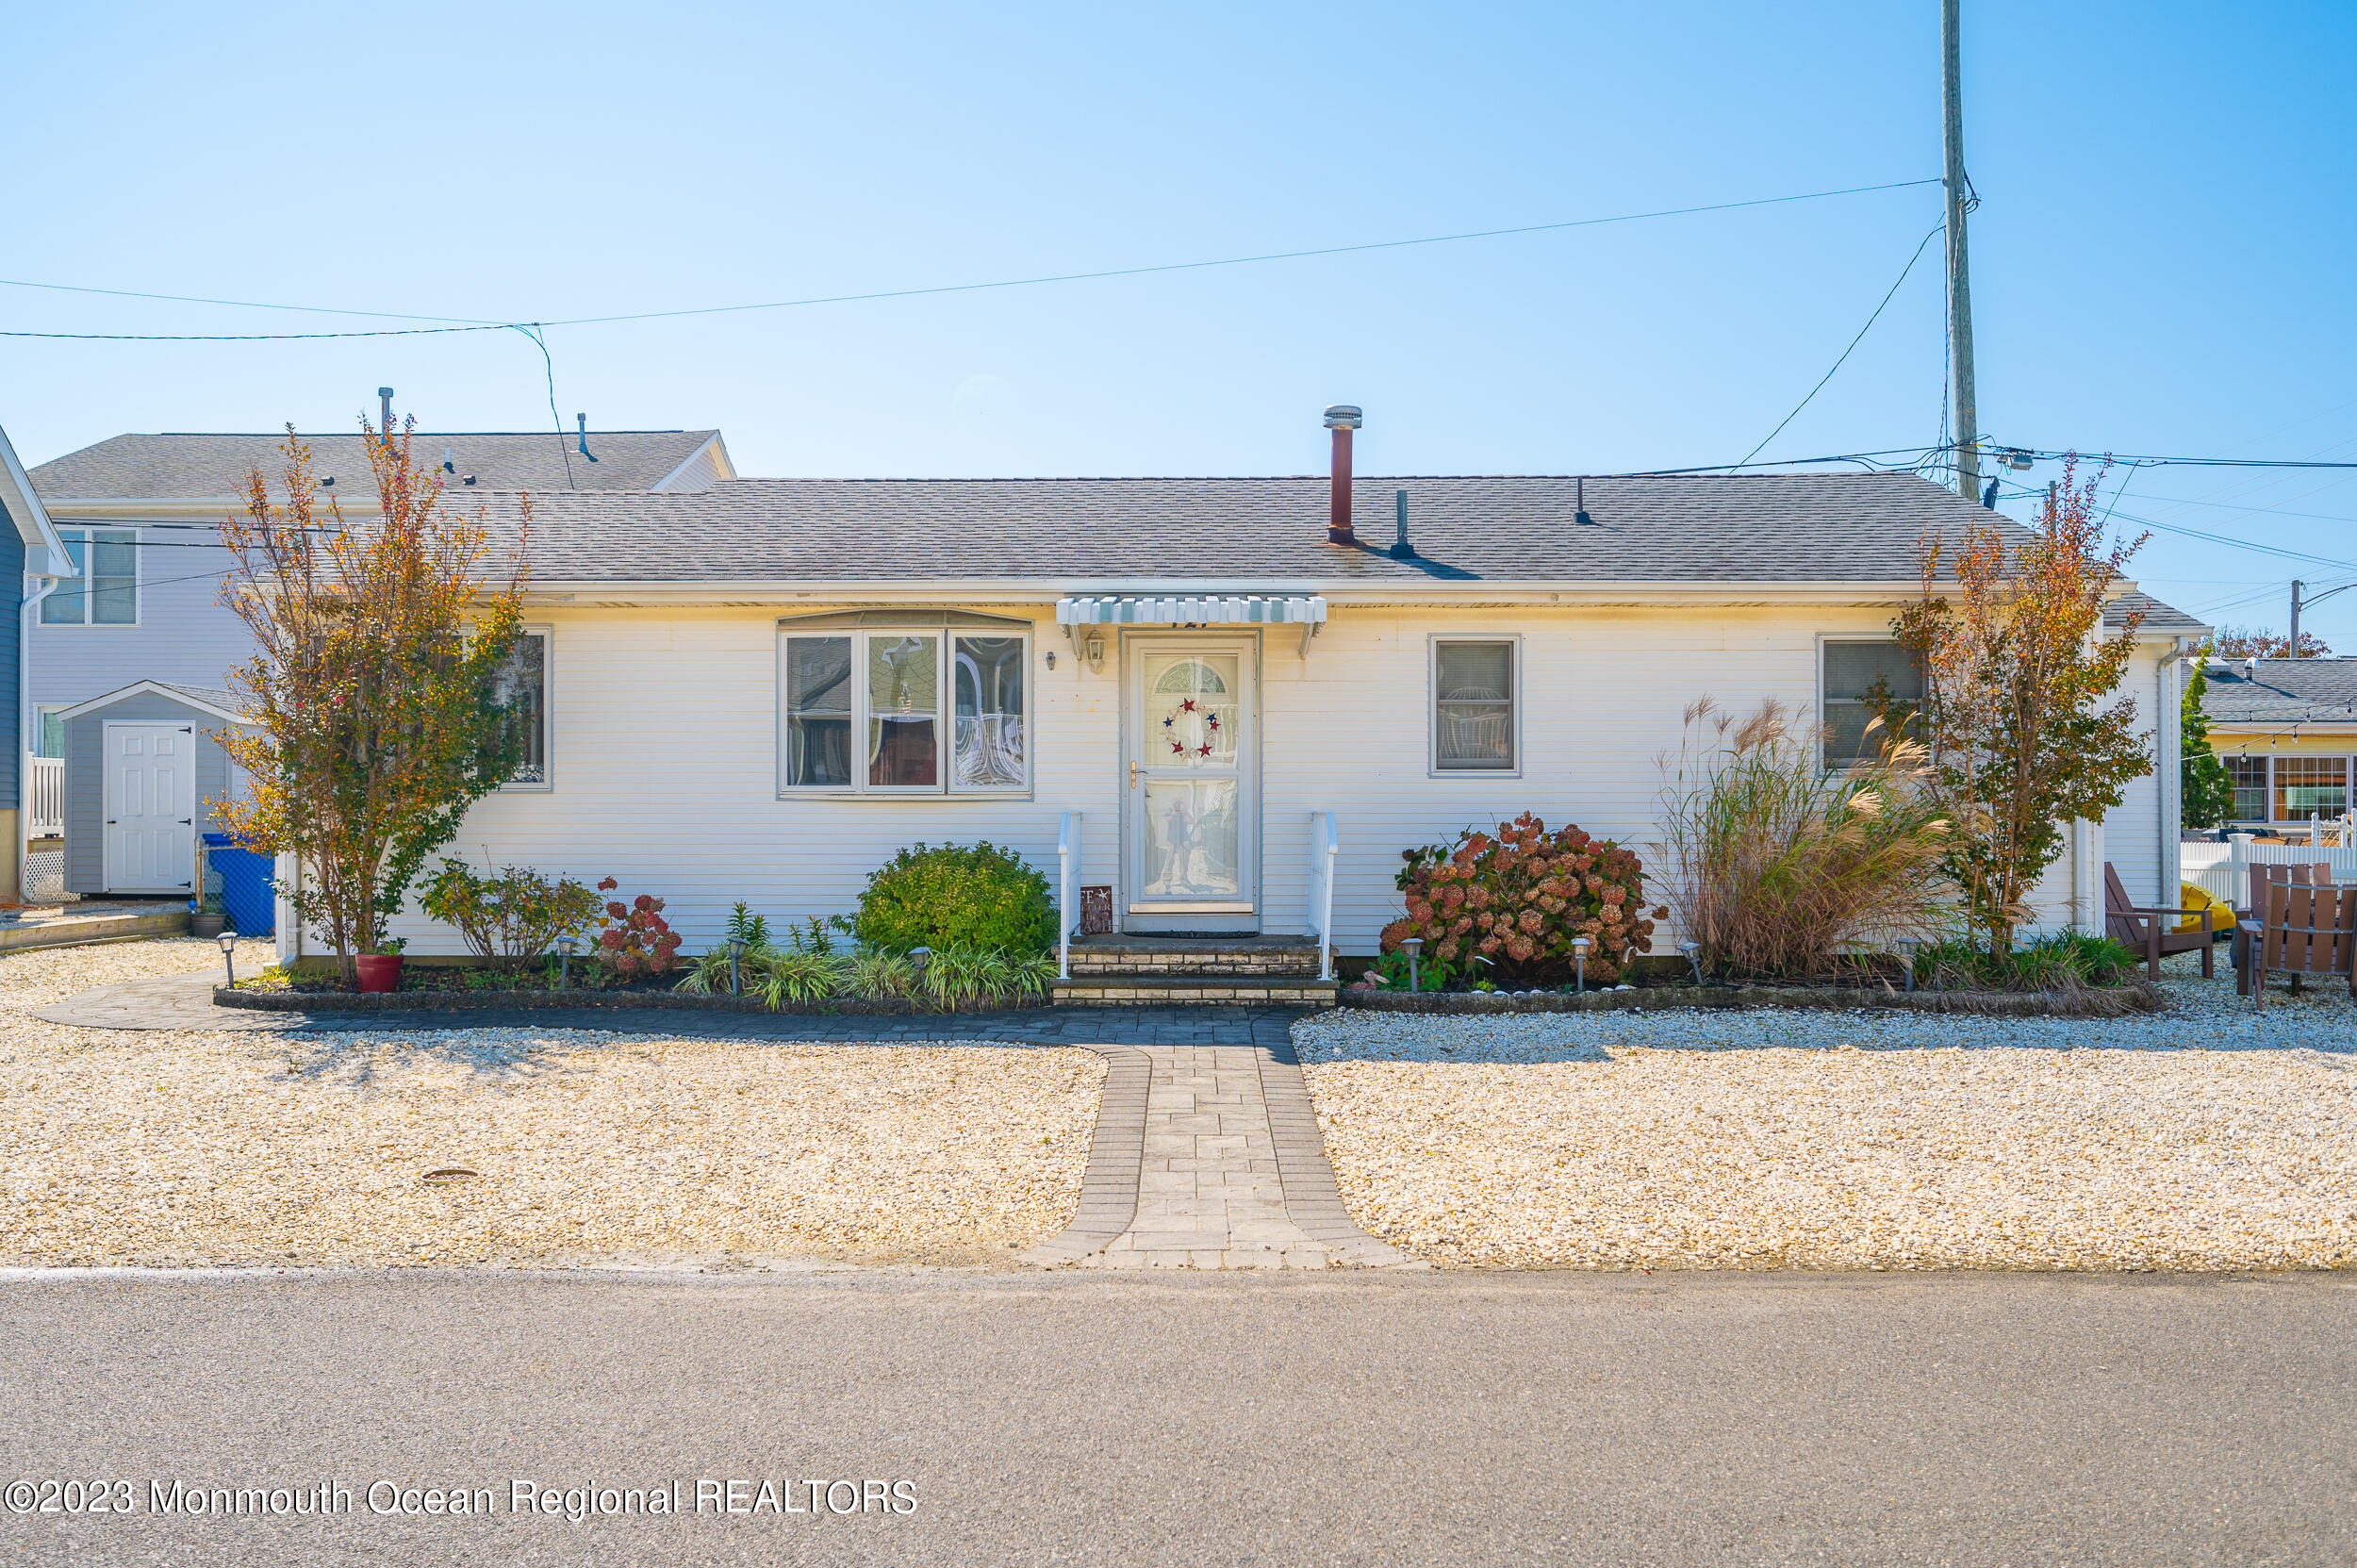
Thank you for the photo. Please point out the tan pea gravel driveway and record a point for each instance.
(262, 1148)
(2209, 1138)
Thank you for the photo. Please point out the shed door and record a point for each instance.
(151, 808)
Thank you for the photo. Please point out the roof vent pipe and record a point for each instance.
(582, 422)
(1401, 549)
(1342, 418)
(384, 410)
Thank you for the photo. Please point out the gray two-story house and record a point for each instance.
(131, 647)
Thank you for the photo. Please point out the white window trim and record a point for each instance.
(1515, 700)
(945, 711)
(139, 584)
(546, 783)
(2300, 824)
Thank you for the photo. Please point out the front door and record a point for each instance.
(1190, 821)
(151, 808)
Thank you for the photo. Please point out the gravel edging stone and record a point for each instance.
(396, 1001)
(2113, 1002)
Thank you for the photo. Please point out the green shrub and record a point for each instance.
(2062, 962)
(957, 895)
(512, 918)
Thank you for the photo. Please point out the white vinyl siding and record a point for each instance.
(672, 725)
(1865, 678)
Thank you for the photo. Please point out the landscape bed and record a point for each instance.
(604, 1000)
(2109, 1002)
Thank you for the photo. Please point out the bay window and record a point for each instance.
(923, 703)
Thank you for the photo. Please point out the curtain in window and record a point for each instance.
(818, 711)
(1474, 717)
(903, 711)
(988, 672)
(522, 689)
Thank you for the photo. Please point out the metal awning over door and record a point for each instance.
(1191, 610)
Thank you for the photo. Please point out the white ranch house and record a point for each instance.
(1183, 691)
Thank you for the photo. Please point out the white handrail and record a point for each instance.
(1324, 844)
(1067, 874)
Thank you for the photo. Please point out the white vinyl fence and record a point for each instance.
(2223, 871)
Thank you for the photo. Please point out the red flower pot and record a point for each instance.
(378, 971)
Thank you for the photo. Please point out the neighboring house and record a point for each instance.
(2286, 729)
(137, 518)
(761, 690)
(29, 548)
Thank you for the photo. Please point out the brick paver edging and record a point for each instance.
(452, 1001)
(1108, 1188)
(2109, 1003)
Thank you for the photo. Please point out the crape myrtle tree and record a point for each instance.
(2021, 714)
(376, 691)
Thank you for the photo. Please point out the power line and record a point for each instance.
(941, 289)
(1854, 343)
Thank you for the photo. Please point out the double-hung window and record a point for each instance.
(2250, 778)
(1475, 713)
(923, 703)
(524, 690)
(1865, 679)
(104, 590)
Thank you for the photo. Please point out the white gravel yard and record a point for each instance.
(2211, 1137)
(254, 1147)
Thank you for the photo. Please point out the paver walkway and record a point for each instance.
(1206, 1153)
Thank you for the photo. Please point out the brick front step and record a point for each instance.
(1194, 956)
(1195, 991)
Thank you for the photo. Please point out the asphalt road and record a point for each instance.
(1622, 1420)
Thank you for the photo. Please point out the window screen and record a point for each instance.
(1473, 706)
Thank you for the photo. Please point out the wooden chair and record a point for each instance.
(2305, 874)
(2154, 931)
(2308, 930)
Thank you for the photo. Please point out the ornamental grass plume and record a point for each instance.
(1781, 868)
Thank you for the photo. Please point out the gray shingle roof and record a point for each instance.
(2164, 618)
(210, 466)
(1767, 528)
(2283, 692)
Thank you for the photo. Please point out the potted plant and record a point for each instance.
(206, 922)
(381, 970)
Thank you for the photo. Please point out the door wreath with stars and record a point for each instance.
(1191, 728)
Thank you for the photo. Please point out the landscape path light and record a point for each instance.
(736, 950)
(566, 947)
(1693, 952)
(1909, 944)
(1414, 946)
(1579, 957)
(228, 940)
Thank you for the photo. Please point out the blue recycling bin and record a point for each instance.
(248, 894)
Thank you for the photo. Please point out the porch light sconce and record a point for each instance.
(736, 952)
(1693, 952)
(1579, 958)
(228, 940)
(1051, 658)
(1415, 946)
(1093, 650)
(566, 947)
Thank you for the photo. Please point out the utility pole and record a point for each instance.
(1967, 423)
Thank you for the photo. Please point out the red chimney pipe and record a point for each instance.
(1342, 419)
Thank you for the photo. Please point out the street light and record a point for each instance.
(228, 940)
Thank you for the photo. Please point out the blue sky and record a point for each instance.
(2161, 264)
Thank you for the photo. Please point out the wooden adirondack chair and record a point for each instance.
(2308, 930)
(2305, 874)
(2154, 931)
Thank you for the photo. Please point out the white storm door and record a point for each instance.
(1190, 819)
(151, 808)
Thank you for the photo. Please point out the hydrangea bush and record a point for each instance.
(1505, 906)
